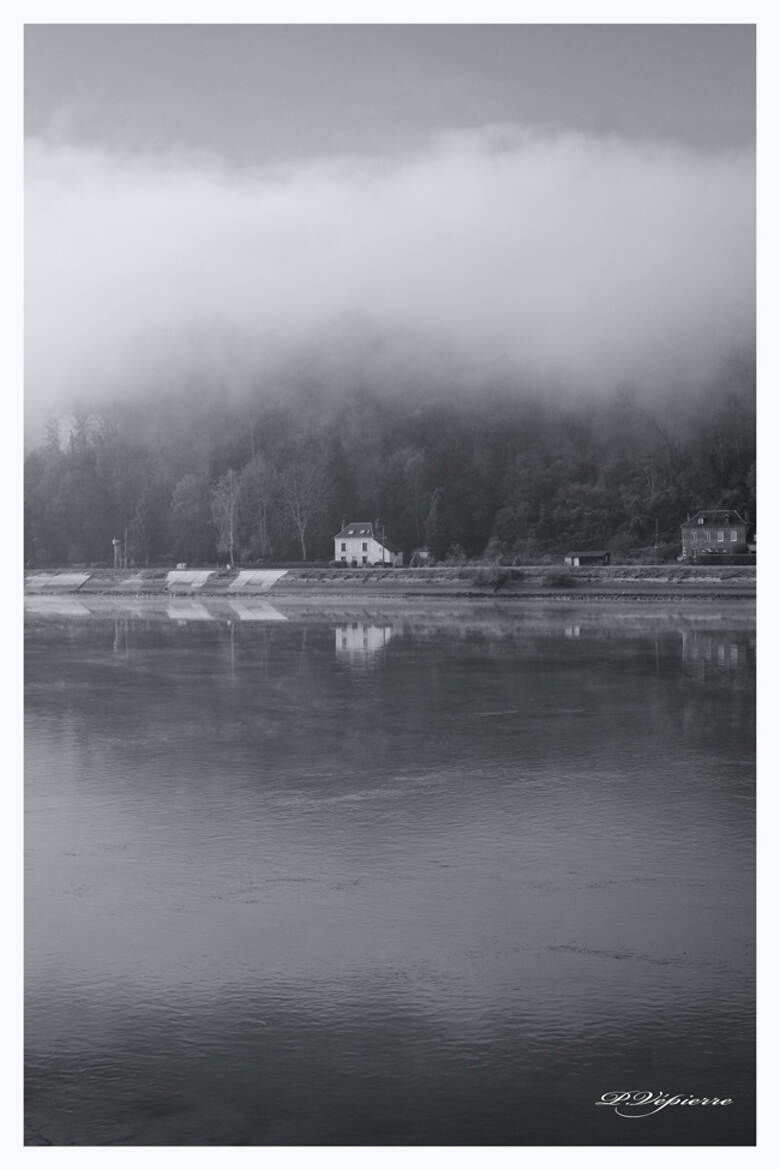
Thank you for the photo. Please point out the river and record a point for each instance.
(374, 875)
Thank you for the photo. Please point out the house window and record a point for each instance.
(365, 546)
(343, 546)
(701, 520)
(721, 536)
(694, 538)
(733, 536)
(365, 560)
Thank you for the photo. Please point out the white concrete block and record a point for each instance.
(256, 580)
(188, 578)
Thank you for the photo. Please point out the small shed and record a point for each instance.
(594, 557)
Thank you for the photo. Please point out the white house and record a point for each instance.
(362, 543)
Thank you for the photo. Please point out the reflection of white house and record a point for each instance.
(359, 638)
(362, 543)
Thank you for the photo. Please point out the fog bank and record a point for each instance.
(578, 260)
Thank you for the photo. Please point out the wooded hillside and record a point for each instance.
(499, 473)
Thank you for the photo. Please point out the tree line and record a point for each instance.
(502, 475)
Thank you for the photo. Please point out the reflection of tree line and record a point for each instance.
(695, 647)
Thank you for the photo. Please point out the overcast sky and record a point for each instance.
(573, 199)
(257, 94)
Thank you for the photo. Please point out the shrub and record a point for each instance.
(494, 577)
(558, 580)
(455, 555)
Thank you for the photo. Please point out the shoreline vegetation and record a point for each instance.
(621, 582)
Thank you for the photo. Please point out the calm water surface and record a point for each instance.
(380, 876)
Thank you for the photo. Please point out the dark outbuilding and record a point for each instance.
(594, 557)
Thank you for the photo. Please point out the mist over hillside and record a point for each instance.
(513, 471)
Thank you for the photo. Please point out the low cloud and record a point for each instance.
(575, 260)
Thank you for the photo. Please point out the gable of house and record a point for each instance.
(714, 518)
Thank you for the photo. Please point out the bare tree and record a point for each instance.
(303, 488)
(259, 488)
(189, 518)
(412, 463)
(224, 511)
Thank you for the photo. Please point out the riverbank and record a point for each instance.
(668, 582)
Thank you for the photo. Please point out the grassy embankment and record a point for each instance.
(597, 582)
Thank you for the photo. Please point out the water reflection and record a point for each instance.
(60, 606)
(120, 637)
(189, 611)
(707, 651)
(358, 642)
(256, 611)
(451, 900)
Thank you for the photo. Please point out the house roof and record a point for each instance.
(356, 528)
(589, 552)
(714, 516)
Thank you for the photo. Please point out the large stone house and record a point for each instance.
(719, 530)
(362, 543)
